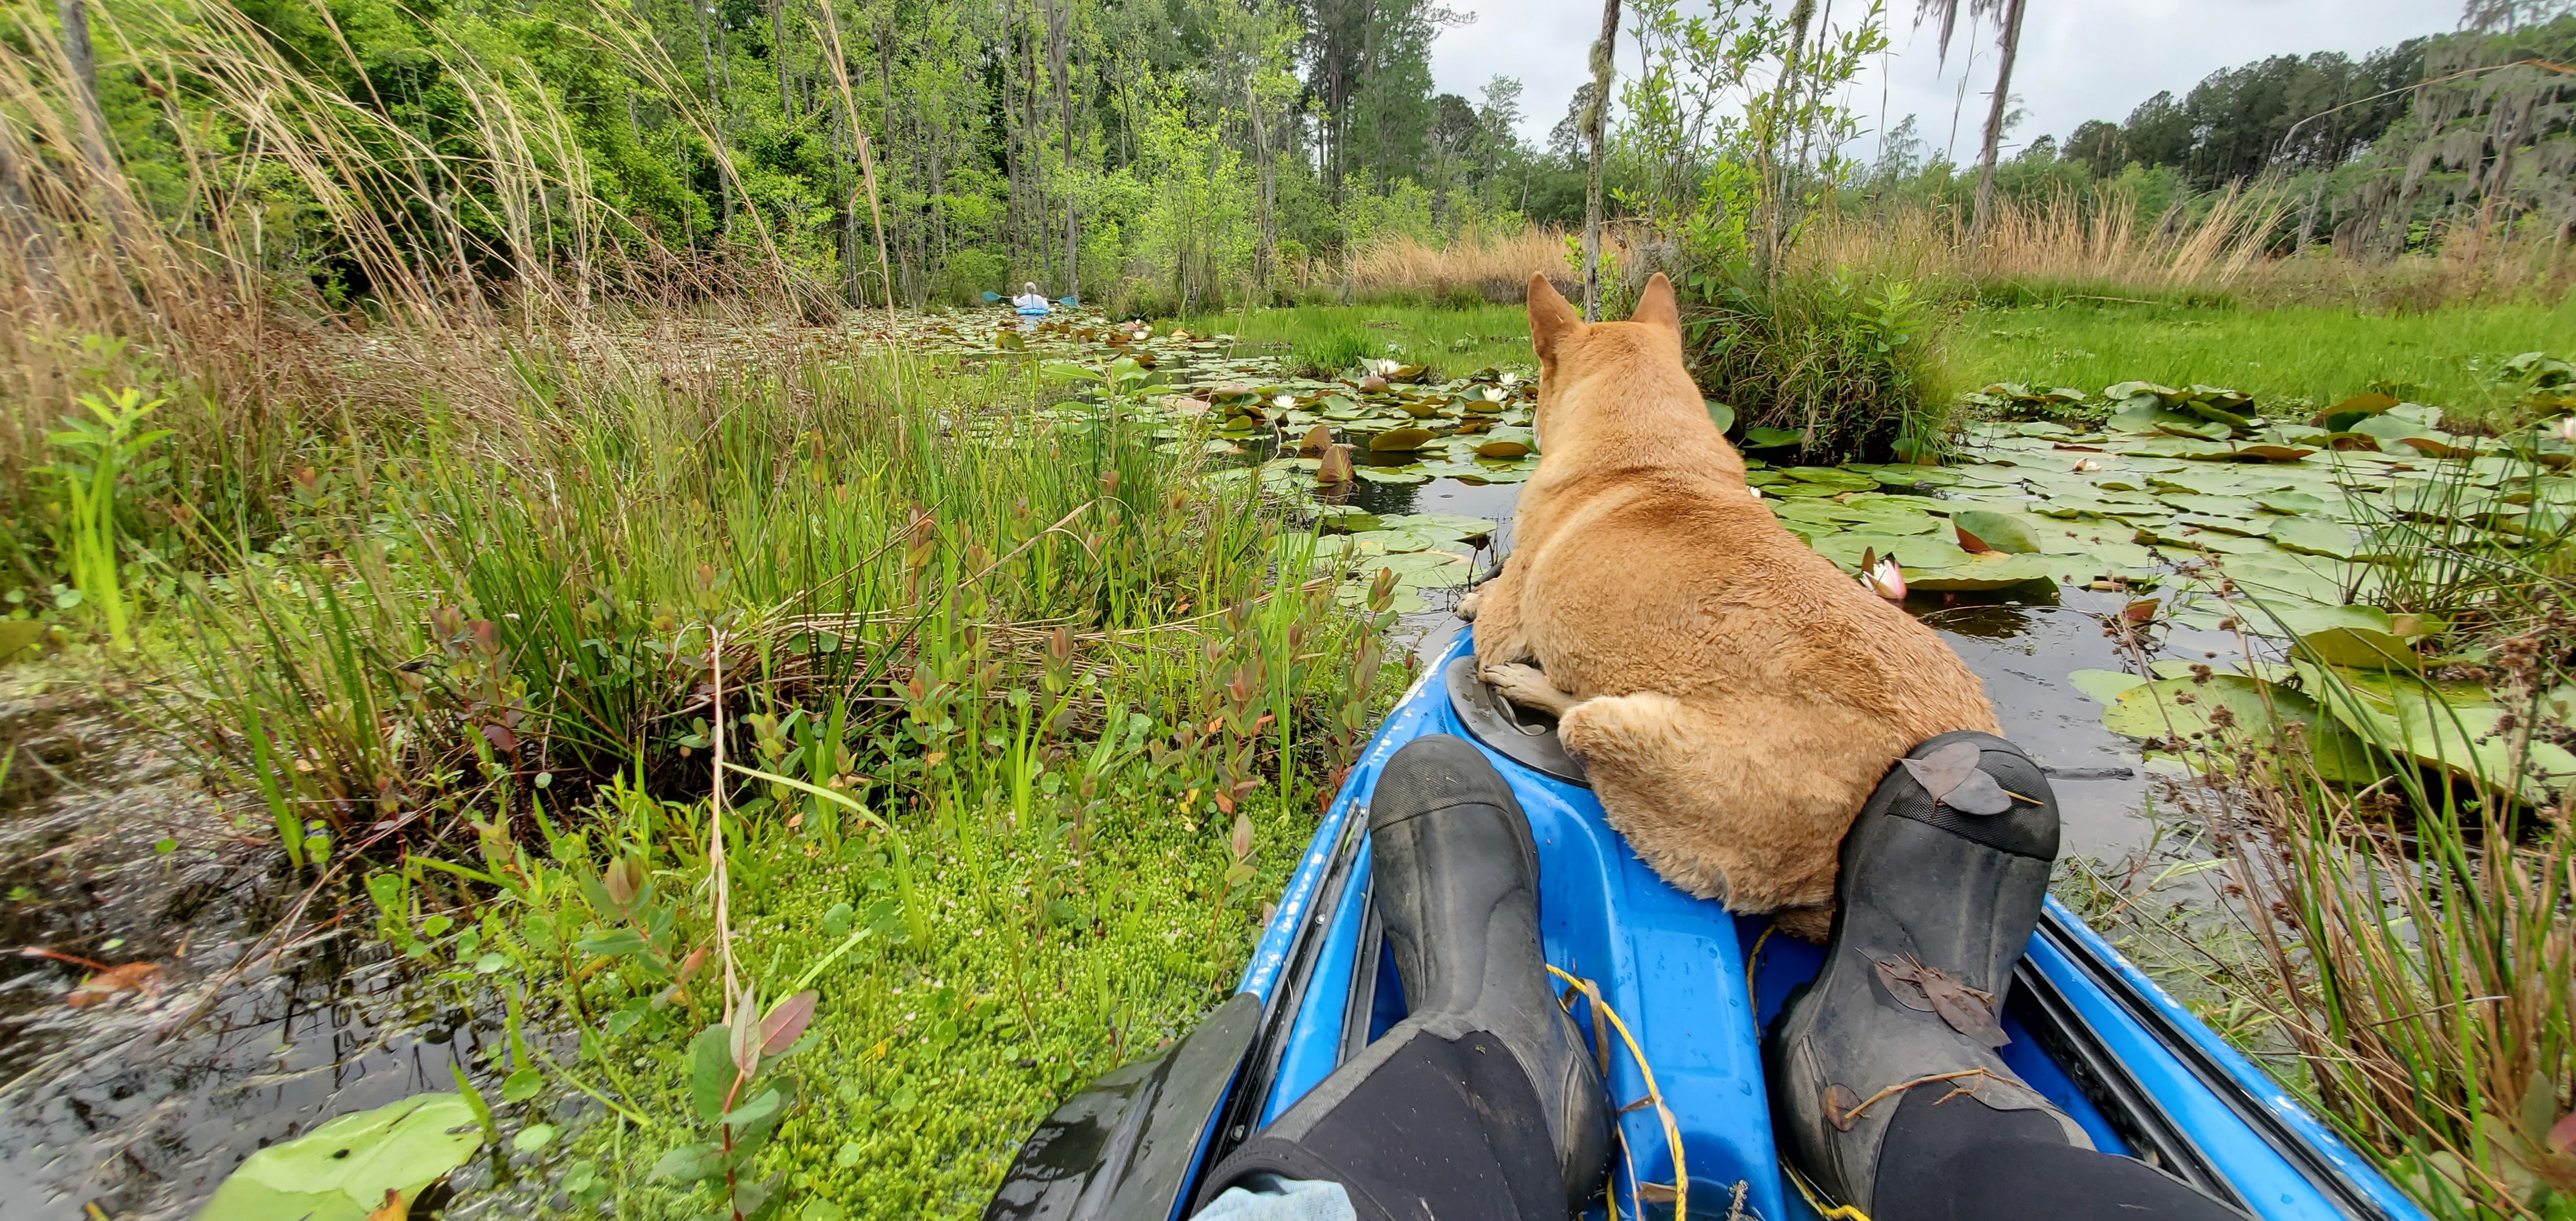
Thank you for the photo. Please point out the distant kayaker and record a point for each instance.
(1030, 299)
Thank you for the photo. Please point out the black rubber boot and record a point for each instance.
(1936, 906)
(1483, 1102)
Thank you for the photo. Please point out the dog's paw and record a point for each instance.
(1527, 686)
(1467, 606)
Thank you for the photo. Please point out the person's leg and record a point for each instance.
(1267, 1197)
(1482, 1102)
(1886, 1089)
(1962, 1162)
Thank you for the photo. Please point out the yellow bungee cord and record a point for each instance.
(1672, 1130)
(1816, 1200)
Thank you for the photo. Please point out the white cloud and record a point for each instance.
(2080, 59)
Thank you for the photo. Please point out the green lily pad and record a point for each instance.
(2293, 503)
(2313, 536)
(2342, 416)
(1833, 477)
(1994, 570)
(2214, 506)
(1994, 531)
(1397, 541)
(1911, 551)
(1454, 525)
(342, 1170)
(2359, 637)
(1771, 438)
(2104, 685)
(2183, 707)
(1507, 443)
(2239, 526)
(1721, 415)
(1399, 440)
(2446, 725)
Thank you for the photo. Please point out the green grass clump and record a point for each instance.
(2321, 354)
(1850, 365)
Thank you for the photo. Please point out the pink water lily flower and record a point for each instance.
(1885, 579)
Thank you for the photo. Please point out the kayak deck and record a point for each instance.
(2145, 1077)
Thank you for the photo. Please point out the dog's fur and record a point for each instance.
(1733, 695)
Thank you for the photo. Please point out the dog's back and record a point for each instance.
(1734, 695)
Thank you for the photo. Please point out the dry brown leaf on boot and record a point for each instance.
(1970, 1011)
(1840, 1102)
(1967, 1010)
(1952, 777)
(1904, 983)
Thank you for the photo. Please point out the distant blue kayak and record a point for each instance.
(1693, 984)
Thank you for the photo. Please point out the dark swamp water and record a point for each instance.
(138, 1106)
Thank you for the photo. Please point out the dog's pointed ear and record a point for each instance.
(1657, 307)
(1551, 317)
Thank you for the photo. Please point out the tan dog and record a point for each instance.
(1733, 695)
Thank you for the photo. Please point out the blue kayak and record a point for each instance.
(1692, 984)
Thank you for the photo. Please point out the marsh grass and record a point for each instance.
(1453, 341)
(2406, 931)
(2320, 354)
(1021, 721)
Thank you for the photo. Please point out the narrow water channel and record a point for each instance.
(2023, 650)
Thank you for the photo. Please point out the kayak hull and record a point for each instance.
(1693, 984)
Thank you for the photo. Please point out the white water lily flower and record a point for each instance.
(1493, 394)
(1387, 368)
(1885, 579)
(1284, 402)
(1757, 492)
(2087, 465)
(1511, 379)
(2567, 429)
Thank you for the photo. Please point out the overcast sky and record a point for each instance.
(2080, 59)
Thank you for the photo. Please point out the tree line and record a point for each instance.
(2376, 154)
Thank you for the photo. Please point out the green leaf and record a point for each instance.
(711, 1070)
(522, 1085)
(762, 1105)
(341, 1170)
(691, 1163)
(612, 942)
(534, 1137)
(1721, 415)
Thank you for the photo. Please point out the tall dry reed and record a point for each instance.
(2224, 246)
(1487, 265)
(430, 261)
